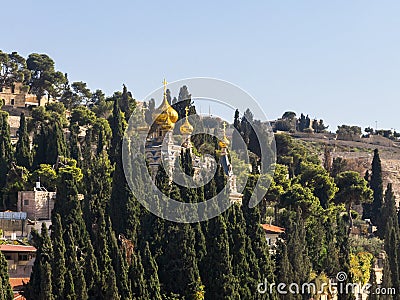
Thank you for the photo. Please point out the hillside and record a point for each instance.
(360, 155)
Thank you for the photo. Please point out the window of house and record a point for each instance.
(12, 89)
(23, 257)
(12, 101)
(26, 202)
(8, 257)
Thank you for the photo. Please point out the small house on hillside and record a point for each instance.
(272, 233)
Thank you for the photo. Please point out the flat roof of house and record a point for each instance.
(272, 228)
(17, 248)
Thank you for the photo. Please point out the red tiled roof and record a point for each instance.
(272, 228)
(18, 296)
(16, 282)
(17, 248)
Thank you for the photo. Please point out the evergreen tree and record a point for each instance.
(74, 267)
(374, 285)
(387, 275)
(69, 291)
(284, 269)
(220, 282)
(178, 271)
(58, 262)
(127, 103)
(40, 286)
(45, 284)
(151, 276)
(136, 278)
(6, 292)
(23, 153)
(376, 184)
(239, 244)
(5, 150)
(74, 146)
(118, 262)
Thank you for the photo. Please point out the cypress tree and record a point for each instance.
(374, 285)
(39, 286)
(69, 291)
(74, 146)
(179, 272)
(376, 184)
(49, 144)
(45, 283)
(389, 213)
(108, 280)
(284, 270)
(23, 153)
(118, 262)
(58, 262)
(5, 150)
(387, 275)
(74, 266)
(117, 127)
(136, 278)
(220, 283)
(259, 245)
(6, 292)
(239, 243)
(151, 276)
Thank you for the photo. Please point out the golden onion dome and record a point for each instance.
(224, 143)
(165, 115)
(186, 127)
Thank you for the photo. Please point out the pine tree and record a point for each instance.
(23, 153)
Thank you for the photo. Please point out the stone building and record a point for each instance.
(38, 203)
(18, 96)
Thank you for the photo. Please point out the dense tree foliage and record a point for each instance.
(105, 245)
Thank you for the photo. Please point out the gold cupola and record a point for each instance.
(165, 116)
(186, 127)
(224, 143)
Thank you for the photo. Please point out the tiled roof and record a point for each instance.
(18, 296)
(272, 228)
(17, 248)
(17, 282)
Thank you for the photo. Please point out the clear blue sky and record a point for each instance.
(336, 60)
